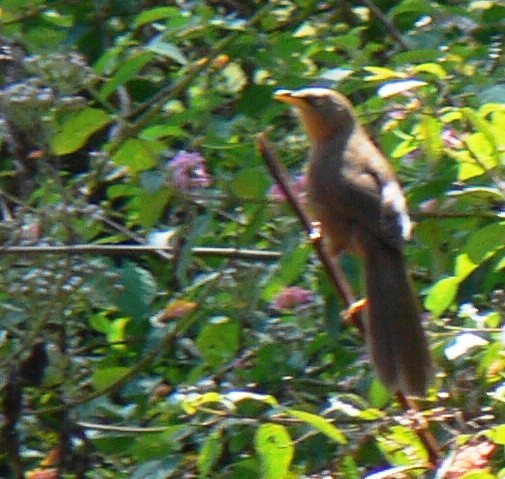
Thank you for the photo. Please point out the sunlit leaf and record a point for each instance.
(382, 73)
(237, 396)
(483, 128)
(431, 131)
(481, 245)
(402, 446)
(319, 423)
(434, 69)
(276, 450)
(441, 295)
(155, 14)
(77, 129)
(497, 434)
(192, 403)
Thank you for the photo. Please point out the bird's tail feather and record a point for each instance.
(397, 342)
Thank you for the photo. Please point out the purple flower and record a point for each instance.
(291, 297)
(189, 171)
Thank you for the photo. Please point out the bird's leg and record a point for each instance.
(353, 314)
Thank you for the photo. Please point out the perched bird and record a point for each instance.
(353, 193)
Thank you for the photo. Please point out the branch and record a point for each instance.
(390, 27)
(283, 178)
(112, 250)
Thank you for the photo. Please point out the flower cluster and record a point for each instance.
(291, 297)
(189, 171)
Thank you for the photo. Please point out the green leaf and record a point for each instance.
(250, 183)
(497, 434)
(349, 468)
(381, 74)
(319, 423)
(157, 445)
(167, 49)
(210, 452)
(151, 206)
(218, 340)
(163, 131)
(416, 56)
(404, 148)
(102, 378)
(468, 167)
(434, 69)
(486, 241)
(129, 69)
(484, 128)
(402, 446)
(117, 333)
(100, 322)
(275, 448)
(77, 128)
(155, 14)
(138, 291)
(464, 266)
(191, 404)
(480, 246)
(483, 154)
(431, 131)
(291, 266)
(138, 155)
(441, 295)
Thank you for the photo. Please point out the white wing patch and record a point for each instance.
(393, 198)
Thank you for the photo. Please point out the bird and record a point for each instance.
(354, 196)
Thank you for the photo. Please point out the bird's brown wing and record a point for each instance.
(373, 199)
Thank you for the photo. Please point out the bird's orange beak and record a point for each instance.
(289, 97)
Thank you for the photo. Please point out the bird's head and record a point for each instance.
(323, 112)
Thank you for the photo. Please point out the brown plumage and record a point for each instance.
(354, 194)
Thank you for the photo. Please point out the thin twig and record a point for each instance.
(390, 27)
(112, 250)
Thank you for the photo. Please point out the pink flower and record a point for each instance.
(291, 297)
(471, 457)
(450, 139)
(189, 171)
(299, 187)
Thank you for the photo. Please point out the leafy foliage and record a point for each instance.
(119, 361)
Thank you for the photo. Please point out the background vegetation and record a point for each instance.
(128, 124)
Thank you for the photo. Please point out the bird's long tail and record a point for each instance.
(397, 342)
